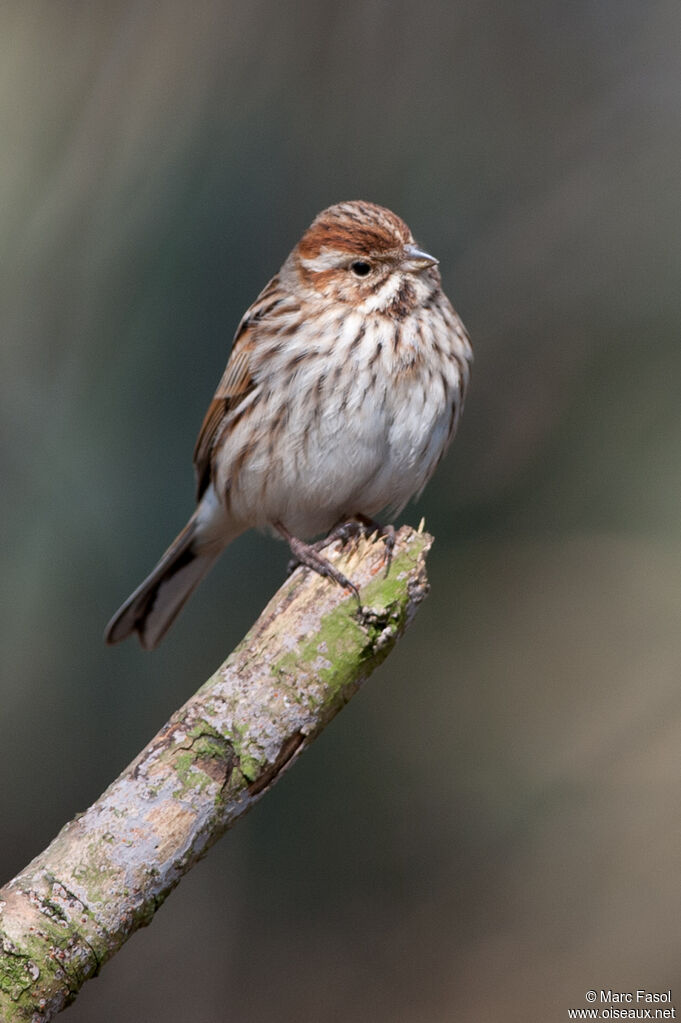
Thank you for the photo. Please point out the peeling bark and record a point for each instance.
(109, 869)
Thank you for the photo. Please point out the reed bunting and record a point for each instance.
(343, 389)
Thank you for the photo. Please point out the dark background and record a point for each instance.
(492, 827)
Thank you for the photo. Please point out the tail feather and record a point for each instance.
(155, 604)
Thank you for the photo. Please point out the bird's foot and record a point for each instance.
(307, 554)
(360, 525)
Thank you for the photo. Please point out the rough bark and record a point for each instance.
(110, 868)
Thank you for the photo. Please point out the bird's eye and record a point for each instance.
(360, 268)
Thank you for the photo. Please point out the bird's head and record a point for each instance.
(364, 255)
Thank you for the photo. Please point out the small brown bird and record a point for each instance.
(343, 389)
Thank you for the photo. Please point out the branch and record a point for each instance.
(109, 869)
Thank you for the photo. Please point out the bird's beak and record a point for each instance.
(414, 259)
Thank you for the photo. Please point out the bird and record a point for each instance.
(343, 389)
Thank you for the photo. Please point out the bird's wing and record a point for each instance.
(236, 383)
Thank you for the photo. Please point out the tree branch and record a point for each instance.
(110, 868)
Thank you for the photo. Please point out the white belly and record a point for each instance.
(373, 444)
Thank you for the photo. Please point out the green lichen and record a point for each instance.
(210, 746)
(246, 767)
(66, 960)
(251, 766)
(206, 744)
(204, 730)
(17, 973)
(347, 635)
(334, 647)
(387, 591)
(190, 775)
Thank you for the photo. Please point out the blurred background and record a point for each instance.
(491, 827)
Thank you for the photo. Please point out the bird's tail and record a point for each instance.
(155, 604)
